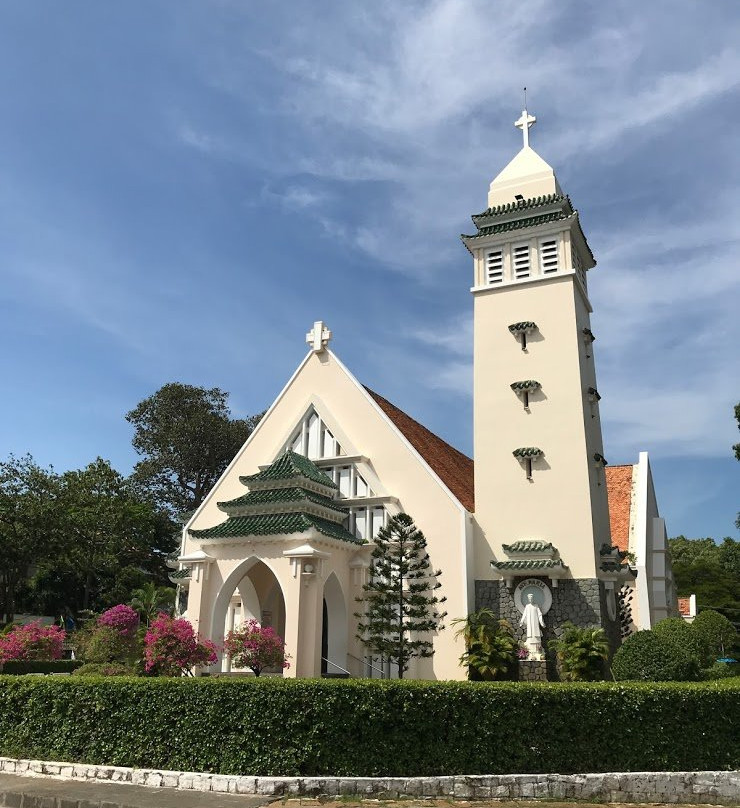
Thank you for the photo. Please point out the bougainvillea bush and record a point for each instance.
(172, 648)
(256, 647)
(112, 638)
(122, 618)
(32, 641)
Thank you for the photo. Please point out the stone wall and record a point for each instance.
(642, 787)
(582, 602)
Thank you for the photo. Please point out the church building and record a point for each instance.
(537, 524)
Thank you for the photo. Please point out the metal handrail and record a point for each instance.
(339, 667)
(369, 664)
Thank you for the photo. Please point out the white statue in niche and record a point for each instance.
(532, 617)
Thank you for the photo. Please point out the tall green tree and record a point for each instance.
(186, 438)
(110, 532)
(28, 507)
(400, 605)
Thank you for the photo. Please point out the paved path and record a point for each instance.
(38, 792)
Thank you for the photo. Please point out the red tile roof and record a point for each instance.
(619, 493)
(454, 468)
(684, 606)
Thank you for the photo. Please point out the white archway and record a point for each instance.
(334, 630)
(260, 592)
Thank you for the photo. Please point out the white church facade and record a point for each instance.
(285, 536)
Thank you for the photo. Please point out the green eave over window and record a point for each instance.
(185, 572)
(518, 224)
(540, 564)
(290, 466)
(269, 496)
(527, 451)
(524, 204)
(275, 524)
(528, 384)
(531, 546)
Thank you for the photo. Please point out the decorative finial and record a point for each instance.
(318, 337)
(525, 121)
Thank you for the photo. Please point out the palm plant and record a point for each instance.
(151, 599)
(581, 653)
(490, 647)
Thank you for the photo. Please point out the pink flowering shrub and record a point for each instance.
(256, 647)
(121, 618)
(172, 648)
(32, 641)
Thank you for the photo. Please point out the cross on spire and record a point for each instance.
(318, 337)
(524, 123)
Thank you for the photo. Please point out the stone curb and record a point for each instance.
(717, 787)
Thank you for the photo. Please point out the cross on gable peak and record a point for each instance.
(318, 337)
(524, 124)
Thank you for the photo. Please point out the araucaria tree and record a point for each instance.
(400, 605)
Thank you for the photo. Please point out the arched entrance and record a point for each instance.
(334, 630)
(251, 591)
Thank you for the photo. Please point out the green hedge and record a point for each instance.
(40, 666)
(346, 728)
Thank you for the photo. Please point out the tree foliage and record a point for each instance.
(400, 605)
(28, 524)
(150, 599)
(646, 656)
(256, 647)
(186, 438)
(581, 653)
(716, 636)
(172, 648)
(490, 645)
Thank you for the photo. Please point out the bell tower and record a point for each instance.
(540, 486)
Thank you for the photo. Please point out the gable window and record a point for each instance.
(520, 258)
(495, 266)
(314, 440)
(548, 256)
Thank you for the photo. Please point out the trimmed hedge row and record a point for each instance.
(16, 668)
(365, 728)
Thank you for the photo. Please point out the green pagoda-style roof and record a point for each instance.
(273, 525)
(282, 502)
(524, 204)
(529, 564)
(290, 466)
(528, 546)
(272, 496)
(518, 224)
(180, 575)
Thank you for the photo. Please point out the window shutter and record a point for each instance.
(548, 256)
(521, 261)
(495, 266)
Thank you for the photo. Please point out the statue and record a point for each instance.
(533, 618)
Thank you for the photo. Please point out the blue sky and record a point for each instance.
(186, 186)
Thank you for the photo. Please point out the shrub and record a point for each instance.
(270, 726)
(721, 670)
(172, 648)
(31, 641)
(490, 646)
(679, 632)
(121, 618)
(581, 653)
(256, 647)
(105, 669)
(715, 633)
(649, 657)
(39, 666)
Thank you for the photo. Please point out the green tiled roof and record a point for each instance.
(275, 524)
(541, 564)
(528, 384)
(518, 224)
(287, 467)
(185, 572)
(527, 451)
(525, 325)
(528, 546)
(268, 496)
(524, 204)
